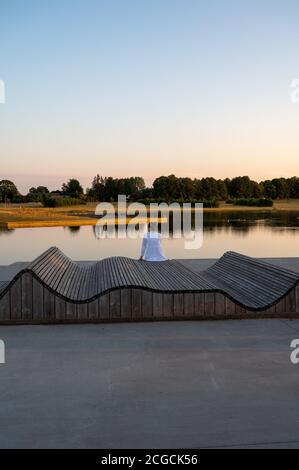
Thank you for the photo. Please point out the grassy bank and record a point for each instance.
(24, 215)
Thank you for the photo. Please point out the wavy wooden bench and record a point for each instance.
(55, 289)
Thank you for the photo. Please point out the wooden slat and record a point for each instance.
(93, 310)
(157, 305)
(49, 305)
(189, 307)
(167, 305)
(291, 301)
(60, 308)
(240, 310)
(126, 303)
(199, 305)
(5, 307)
(77, 280)
(26, 289)
(230, 307)
(72, 283)
(280, 306)
(270, 310)
(70, 311)
(178, 305)
(147, 304)
(104, 306)
(16, 300)
(114, 301)
(37, 300)
(219, 304)
(136, 303)
(209, 303)
(65, 279)
(82, 311)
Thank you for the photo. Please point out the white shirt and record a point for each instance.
(151, 249)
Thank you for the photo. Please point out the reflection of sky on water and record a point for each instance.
(254, 233)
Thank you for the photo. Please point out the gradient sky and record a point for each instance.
(151, 87)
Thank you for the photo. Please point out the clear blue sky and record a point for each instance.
(122, 87)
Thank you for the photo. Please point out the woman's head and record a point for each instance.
(152, 227)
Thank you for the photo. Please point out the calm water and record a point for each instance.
(254, 233)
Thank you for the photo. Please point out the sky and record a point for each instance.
(149, 88)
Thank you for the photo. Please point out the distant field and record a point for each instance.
(25, 215)
(280, 205)
(30, 215)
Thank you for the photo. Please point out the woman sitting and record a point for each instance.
(151, 249)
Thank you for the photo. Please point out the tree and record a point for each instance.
(255, 189)
(131, 187)
(293, 184)
(281, 187)
(222, 192)
(209, 188)
(240, 187)
(37, 194)
(269, 190)
(97, 190)
(110, 189)
(168, 188)
(72, 189)
(8, 191)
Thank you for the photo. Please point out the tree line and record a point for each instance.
(164, 188)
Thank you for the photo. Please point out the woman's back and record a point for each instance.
(151, 249)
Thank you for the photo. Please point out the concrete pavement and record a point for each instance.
(173, 384)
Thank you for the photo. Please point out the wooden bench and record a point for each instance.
(55, 289)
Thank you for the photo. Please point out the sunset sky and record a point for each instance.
(152, 87)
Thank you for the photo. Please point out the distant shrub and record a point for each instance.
(211, 203)
(261, 202)
(50, 201)
(206, 203)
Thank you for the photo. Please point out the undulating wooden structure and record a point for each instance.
(54, 289)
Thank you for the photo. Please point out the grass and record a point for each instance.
(32, 215)
(24, 215)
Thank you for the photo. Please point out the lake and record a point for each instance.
(260, 233)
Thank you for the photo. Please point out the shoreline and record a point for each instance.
(24, 216)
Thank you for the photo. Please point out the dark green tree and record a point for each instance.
(269, 189)
(73, 189)
(8, 191)
(37, 194)
(240, 187)
(281, 187)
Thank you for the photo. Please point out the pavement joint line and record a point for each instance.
(241, 444)
(290, 326)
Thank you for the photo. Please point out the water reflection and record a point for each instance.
(6, 231)
(247, 220)
(260, 233)
(74, 230)
(240, 221)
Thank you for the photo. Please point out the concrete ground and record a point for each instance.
(164, 384)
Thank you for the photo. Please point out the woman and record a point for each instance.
(151, 249)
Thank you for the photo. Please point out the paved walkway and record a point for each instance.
(173, 384)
